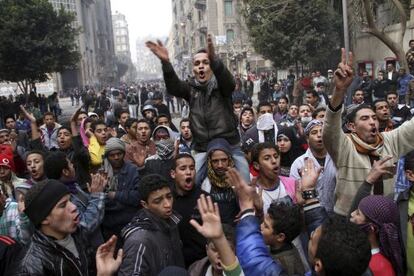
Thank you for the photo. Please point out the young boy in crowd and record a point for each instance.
(280, 227)
(151, 239)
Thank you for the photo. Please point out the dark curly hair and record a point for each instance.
(286, 219)
(151, 183)
(343, 248)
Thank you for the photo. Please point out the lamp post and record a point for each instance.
(346, 30)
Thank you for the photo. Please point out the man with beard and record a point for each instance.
(354, 154)
(209, 95)
(138, 141)
(186, 137)
(122, 198)
(357, 99)
(326, 183)
(305, 114)
(382, 110)
(410, 56)
(218, 162)
(185, 203)
(399, 112)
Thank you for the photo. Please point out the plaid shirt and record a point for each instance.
(13, 224)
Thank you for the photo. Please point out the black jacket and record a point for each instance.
(43, 256)
(194, 244)
(211, 108)
(150, 245)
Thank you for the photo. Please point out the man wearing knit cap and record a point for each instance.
(122, 200)
(58, 246)
(326, 183)
(219, 160)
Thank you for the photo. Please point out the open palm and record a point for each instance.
(211, 228)
(158, 49)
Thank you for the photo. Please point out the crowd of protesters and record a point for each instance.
(313, 180)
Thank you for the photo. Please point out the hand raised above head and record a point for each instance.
(158, 49)
(210, 47)
(344, 73)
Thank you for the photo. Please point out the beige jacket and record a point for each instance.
(352, 166)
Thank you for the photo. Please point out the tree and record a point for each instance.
(294, 31)
(364, 18)
(35, 40)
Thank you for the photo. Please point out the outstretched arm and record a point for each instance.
(173, 84)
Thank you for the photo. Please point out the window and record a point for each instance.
(230, 35)
(228, 7)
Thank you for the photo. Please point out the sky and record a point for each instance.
(145, 17)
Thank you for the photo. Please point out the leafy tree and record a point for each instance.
(294, 31)
(35, 40)
(364, 19)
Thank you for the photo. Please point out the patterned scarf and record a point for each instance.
(384, 216)
(215, 180)
(364, 148)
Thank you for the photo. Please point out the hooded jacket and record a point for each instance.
(150, 245)
(211, 109)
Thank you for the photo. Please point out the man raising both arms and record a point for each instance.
(209, 95)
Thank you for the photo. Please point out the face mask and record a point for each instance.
(265, 122)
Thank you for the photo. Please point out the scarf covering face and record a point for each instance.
(265, 122)
(364, 148)
(215, 180)
(384, 214)
(165, 149)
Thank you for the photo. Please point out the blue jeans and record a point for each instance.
(239, 161)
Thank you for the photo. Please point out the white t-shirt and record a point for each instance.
(274, 195)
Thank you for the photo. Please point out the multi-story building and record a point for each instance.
(148, 65)
(193, 19)
(121, 35)
(95, 44)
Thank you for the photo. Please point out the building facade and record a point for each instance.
(193, 19)
(147, 64)
(372, 55)
(95, 44)
(121, 35)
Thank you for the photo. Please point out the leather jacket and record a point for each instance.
(43, 256)
(211, 109)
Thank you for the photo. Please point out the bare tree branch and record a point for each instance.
(403, 20)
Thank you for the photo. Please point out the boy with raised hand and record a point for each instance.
(213, 231)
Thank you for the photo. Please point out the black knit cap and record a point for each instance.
(42, 198)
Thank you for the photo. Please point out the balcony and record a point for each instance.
(200, 4)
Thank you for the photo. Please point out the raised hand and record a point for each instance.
(245, 193)
(158, 49)
(75, 115)
(106, 264)
(139, 157)
(28, 115)
(210, 48)
(98, 183)
(309, 175)
(344, 73)
(209, 211)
